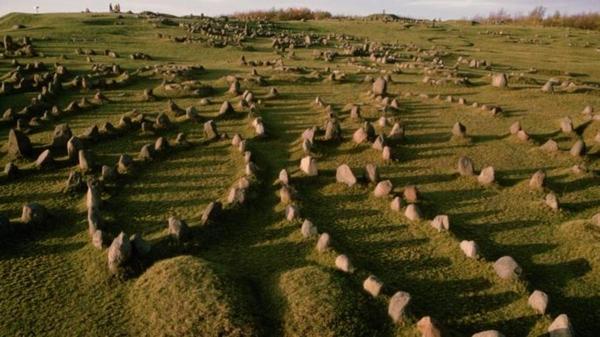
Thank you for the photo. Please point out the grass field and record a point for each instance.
(253, 273)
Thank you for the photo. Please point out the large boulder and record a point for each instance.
(19, 144)
(119, 253)
(507, 268)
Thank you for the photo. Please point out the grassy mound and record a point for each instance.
(187, 296)
(323, 304)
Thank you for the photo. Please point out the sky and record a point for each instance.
(445, 9)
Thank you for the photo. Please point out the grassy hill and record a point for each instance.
(266, 278)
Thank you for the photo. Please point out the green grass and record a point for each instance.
(55, 282)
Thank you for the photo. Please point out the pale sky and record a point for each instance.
(446, 9)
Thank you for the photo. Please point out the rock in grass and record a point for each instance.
(383, 189)
(343, 263)
(44, 160)
(499, 80)
(441, 222)
(465, 166)
(507, 268)
(379, 87)
(515, 128)
(360, 136)
(308, 165)
(19, 144)
(372, 285)
(11, 170)
(488, 333)
(551, 201)
(596, 220)
(386, 154)
(459, 130)
(125, 164)
(396, 204)
(345, 175)
(119, 253)
(411, 193)
(74, 145)
(372, 173)
(397, 306)
(486, 176)
(34, 214)
(549, 146)
(308, 229)
(578, 149)
(588, 110)
(428, 327)
(292, 212)
(178, 229)
(561, 327)
(211, 213)
(324, 242)
(284, 177)
(537, 180)
(100, 239)
(538, 301)
(210, 130)
(85, 160)
(286, 194)
(226, 109)
(413, 212)
(469, 248)
(566, 125)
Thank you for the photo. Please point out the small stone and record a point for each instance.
(441, 222)
(211, 213)
(487, 176)
(537, 180)
(578, 149)
(324, 242)
(210, 130)
(308, 165)
(561, 327)
(465, 166)
(428, 327)
(397, 306)
(515, 127)
(178, 229)
(119, 253)
(459, 130)
(413, 212)
(507, 268)
(549, 146)
(396, 204)
(469, 248)
(44, 160)
(371, 173)
(284, 177)
(342, 262)
(566, 125)
(345, 175)
(411, 193)
(292, 212)
(488, 333)
(383, 189)
(500, 80)
(551, 201)
(372, 285)
(308, 229)
(386, 154)
(538, 301)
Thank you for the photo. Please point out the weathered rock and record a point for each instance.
(85, 160)
(92, 197)
(226, 109)
(507, 268)
(345, 175)
(413, 212)
(538, 301)
(34, 214)
(124, 164)
(286, 194)
(428, 327)
(119, 253)
(308, 166)
(372, 173)
(100, 239)
(515, 127)
(500, 80)
(588, 110)
(396, 204)
(292, 212)
(459, 130)
(237, 196)
(44, 160)
(308, 229)
(379, 143)
(11, 170)
(372, 285)
(284, 177)
(146, 153)
(343, 263)
(549, 146)
(465, 166)
(19, 144)
(551, 201)
(324, 242)
(61, 135)
(469, 248)
(386, 154)
(537, 180)
(397, 306)
(383, 189)
(441, 222)
(488, 333)
(210, 130)
(379, 87)
(360, 136)
(211, 213)
(397, 132)
(561, 327)
(178, 229)
(578, 149)
(566, 125)
(486, 176)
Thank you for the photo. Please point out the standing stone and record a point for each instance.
(396, 204)
(459, 130)
(488, 333)
(561, 327)
(515, 127)
(383, 189)
(386, 154)
(34, 214)
(308, 229)
(292, 212)
(500, 80)
(74, 145)
(397, 306)
(372, 173)
(286, 195)
(372, 285)
(343, 263)
(487, 176)
(124, 164)
(379, 143)
(379, 87)
(507, 268)
(178, 229)
(537, 180)
(146, 153)
(441, 222)
(85, 160)
(19, 144)
(61, 135)
(92, 197)
(226, 109)
(308, 165)
(465, 166)
(345, 175)
(428, 327)
(360, 136)
(469, 248)
(99, 239)
(11, 170)
(588, 110)
(44, 160)
(413, 212)
(549, 146)
(411, 193)
(538, 301)
(355, 112)
(211, 213)
(566, 125)
(283, 177)
(119, 253)
(551, 201)
(210, 130)
(578, 148)
(324, 242)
